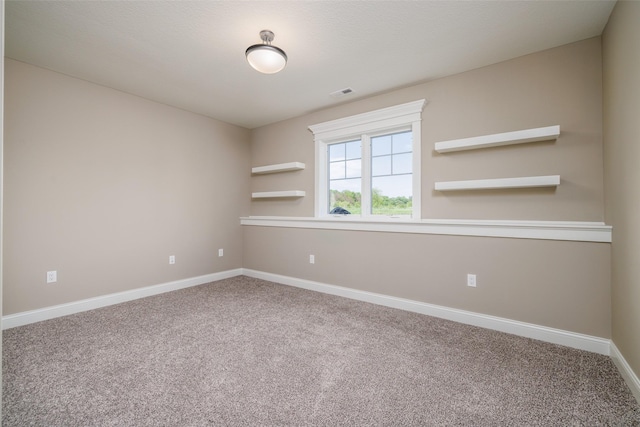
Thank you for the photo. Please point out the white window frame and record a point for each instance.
(364, 126)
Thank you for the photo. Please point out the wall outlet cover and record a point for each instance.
(52, 276)
(471, 280)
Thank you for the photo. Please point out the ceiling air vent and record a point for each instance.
(341, 92)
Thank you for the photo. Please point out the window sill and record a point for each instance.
(542, 230)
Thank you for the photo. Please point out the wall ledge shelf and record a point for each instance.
(281, 167)
(577, 231)
(500, 183)
(277, 194)
(499, 139)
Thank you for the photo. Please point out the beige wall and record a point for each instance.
(103, 186)
(621, 47)
(561, 86)
(564, 285)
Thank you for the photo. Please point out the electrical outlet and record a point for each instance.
(220, 252)
(52, 276)
(312, 259)
(172, 259)
(471, 280)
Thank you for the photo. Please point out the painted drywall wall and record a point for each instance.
(564, 285)
(561, 86)
(103, 187)
(557, 284)
(621, 59)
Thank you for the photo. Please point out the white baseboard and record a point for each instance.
(542, 333)
(627, 373)
(26, 317)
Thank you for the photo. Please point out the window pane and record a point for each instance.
(345, 172)
(354, 150)
(354, 168)
(336, 152)
(393, 186)
(336, 170)
(402, 163)
(345, 193)
(381, 166)
(392, 195)
(381, 145)
(403, 142)
(391, 179)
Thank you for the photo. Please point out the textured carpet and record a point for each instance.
(248, 352)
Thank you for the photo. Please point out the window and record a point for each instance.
(369, 164)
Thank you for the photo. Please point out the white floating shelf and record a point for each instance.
(490, 184)
(276, 194)
(508, 138)
(282, 167)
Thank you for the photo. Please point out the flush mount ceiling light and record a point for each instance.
(264, 57)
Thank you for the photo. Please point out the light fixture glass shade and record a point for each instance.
(264, 57)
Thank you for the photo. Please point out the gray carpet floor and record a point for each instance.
(248, 352)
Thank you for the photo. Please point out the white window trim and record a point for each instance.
(390, 118)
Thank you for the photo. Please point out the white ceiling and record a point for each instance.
(190, 54)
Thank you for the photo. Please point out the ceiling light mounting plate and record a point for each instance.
(267, 36)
